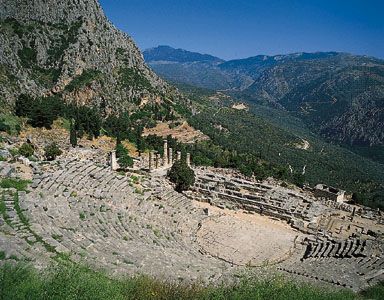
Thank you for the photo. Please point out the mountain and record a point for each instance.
(275, 135)
(178, 65)
(255, 65)
(338, 95)
(69, 48)
(167, 53)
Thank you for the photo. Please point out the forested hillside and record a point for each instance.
(270, 143)
(339, 96)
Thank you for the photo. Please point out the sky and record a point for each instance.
(232, 29)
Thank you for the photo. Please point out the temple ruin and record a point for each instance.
(156, 162)
(328, 192)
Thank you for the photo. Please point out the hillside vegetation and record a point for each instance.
(338, 95)
(267, 146)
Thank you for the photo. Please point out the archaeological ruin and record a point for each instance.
(132, 222)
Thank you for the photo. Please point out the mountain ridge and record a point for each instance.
(168, 53)
(339, 95)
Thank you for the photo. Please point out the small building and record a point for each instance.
(328, 192)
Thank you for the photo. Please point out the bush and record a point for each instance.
(18, 184)
(52, 151)
(26, 150)
(80, 81)
(10, 124)
(14, 152)
(181, 175)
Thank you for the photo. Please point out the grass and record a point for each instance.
(57, 237)
(18, 210)
(135, 179)
(157, 232)
(3, 210)
(14, 257)
(375, 292)
(25, 221)
(71, 281)
(82, 216)
(18, 184)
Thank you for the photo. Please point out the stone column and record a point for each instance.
(165, 157)
(158, 158)
(113, 160)
(188, 159)
(170, 157)
(178, 155)
(150, 161)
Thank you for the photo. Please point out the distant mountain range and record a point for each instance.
(338, 95)
(167, 53)
(193, 68)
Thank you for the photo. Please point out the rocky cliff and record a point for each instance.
(69, 47)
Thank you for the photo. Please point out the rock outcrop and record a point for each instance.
(70, 48)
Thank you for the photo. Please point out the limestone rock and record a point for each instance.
(70, 48)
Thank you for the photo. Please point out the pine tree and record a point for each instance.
(72, 135)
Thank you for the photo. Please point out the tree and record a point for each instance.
(246, 170)
(181, 175)
(72, 135)
(26, 150)
(52, 151)
(24, 105)
(125, 161)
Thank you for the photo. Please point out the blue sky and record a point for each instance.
(239, 28)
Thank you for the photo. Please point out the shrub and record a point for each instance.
(10, 124)
(52, 151)
(80, 81)
(18, 184)
(181, 175)
(14, 151)
(26, 150)
(132, 77)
